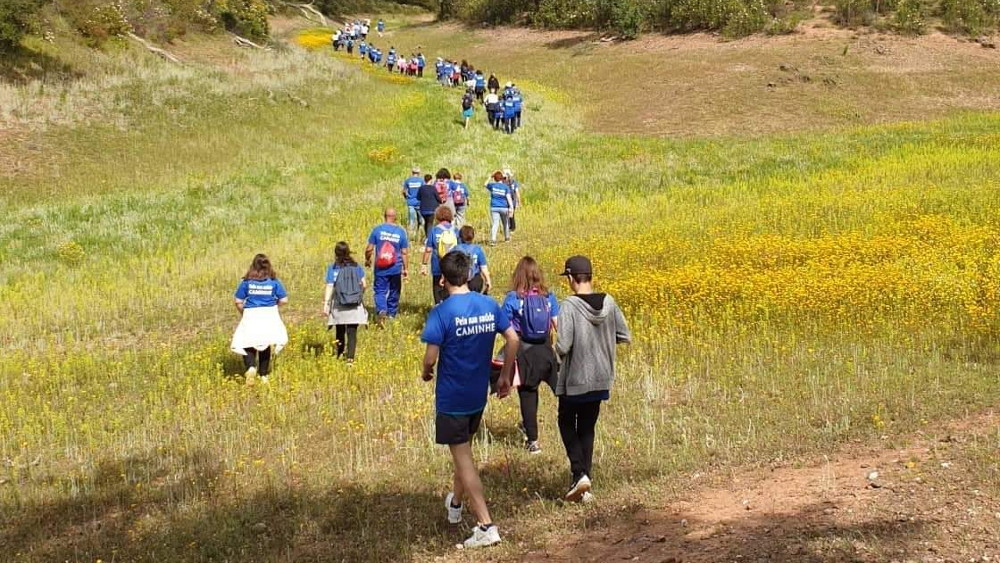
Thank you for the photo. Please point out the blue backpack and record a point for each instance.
(536, 318)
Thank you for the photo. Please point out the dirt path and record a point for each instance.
(937, 499)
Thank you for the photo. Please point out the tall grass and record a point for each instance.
(787, 294)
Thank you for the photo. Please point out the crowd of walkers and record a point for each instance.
(568, 345)
(502, 107)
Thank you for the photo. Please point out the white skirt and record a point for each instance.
(260, 328)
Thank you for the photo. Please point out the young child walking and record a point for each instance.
(342, 300)
(590, 327)
(532, 310)
(260, 332)
(459, 335)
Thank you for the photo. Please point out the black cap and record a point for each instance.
(577, 265)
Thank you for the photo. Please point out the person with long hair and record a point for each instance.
(342, 300)
(532, 310)
(260, 332)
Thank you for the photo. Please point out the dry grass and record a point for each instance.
(699, 85)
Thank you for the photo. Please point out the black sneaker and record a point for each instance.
(580, 488)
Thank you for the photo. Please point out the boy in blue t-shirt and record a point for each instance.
(389, 245)
(433, 254)
(459, 334)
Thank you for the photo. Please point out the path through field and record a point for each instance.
(929, 500)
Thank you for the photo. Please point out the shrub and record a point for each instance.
(854, 12)
(97, 20)
(973, 17)
(909, 18)
(244, 17)
(17, 17)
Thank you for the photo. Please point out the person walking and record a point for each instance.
(441, 240)
(591, 325)
(411, 187)
(343, 300)
(480, 280)
(493, 83)
(260, 333)
(532, 310)
(460, 198)
(468, 100)
(501, 207)
(429, 202)
(493, 109)
(389, 246)
(515, 194)
(459, 335)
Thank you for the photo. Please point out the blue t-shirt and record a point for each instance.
(508, 108)
(459, 187)
(514, 187)
(513, 308)
(498, 195)
(394, 235)
(516, 98)
(260, 293)
(332, 270)
(380, 25)
(464, 327)
(432, 242)
(421, 61)
(475, 252)
(412, 185)
(480, 82)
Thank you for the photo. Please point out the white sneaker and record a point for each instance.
(587, 498)
(454, 514)
(581, 487)
(263, 379)
(249, 374)
(483, 538)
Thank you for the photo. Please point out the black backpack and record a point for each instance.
(347, 288)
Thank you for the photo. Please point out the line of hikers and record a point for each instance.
(423, 195)
(503, 110)
(568, 345)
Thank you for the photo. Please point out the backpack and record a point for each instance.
(536, 318)
(386, 257)
(446, 242)
(458, 196)
(467, 102)
(347, 288)
(441, 187)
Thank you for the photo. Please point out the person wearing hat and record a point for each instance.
(591, 325)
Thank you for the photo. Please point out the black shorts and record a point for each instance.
(453, 429)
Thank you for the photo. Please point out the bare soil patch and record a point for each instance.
(933, 499)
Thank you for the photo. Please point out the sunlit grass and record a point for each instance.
(786, 294)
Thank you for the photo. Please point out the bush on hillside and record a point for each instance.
(96, 20)
(909, 18)
(17, 18)
(973, 17)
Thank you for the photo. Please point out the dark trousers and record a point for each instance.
(386, 293)
(347, 338)
(576, 426)
(528, 397)
(477, 284)
(260, 359)
(428, 224)
(440, 293)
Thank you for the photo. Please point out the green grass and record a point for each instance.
(128, 436)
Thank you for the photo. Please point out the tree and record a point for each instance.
(17, 17)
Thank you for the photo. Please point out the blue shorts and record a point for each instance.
(467, 113)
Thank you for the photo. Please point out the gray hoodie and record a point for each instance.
(590, 328)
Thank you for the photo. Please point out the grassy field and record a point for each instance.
(788, 293)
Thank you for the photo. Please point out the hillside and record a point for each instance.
(810, 271)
